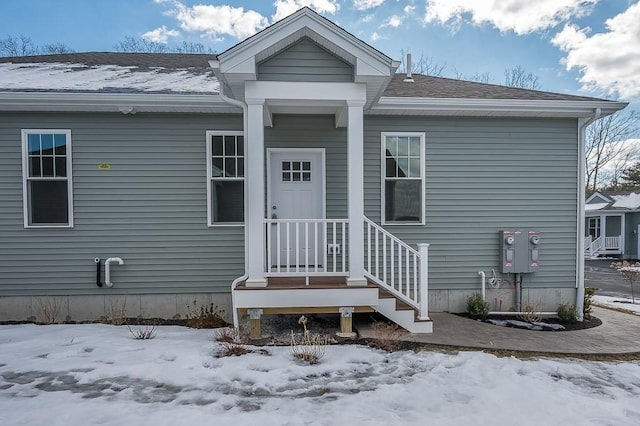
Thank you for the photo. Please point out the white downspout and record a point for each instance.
(107, 269)
(582, 167)
(215, 65)
(483, 276)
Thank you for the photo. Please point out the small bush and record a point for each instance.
(477, 308)
(49, 310)
(589, 292)
(205, 316)
(143, 332)
(386, 335)
(311, 349)
(567, 313)
(529, 313)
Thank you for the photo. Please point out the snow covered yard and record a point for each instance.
(98, 374)
(618, 303)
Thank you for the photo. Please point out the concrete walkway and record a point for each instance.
(619, 334)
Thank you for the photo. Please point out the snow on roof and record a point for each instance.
(57, 76)
(595, 206)
(626, 201)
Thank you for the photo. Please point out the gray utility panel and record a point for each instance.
(519, 251)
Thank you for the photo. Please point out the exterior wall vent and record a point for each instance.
(409, 77)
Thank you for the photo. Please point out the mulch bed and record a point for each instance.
(586, 324)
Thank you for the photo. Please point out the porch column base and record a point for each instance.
(255, 331)
(346, 322)
(256, 282)
(362, 281)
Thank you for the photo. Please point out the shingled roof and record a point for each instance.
(424, 86)
(142, 60)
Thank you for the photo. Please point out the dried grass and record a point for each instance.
(117, 312)
(143, 332)
(530, 313)
(233, 341)
(310, 349)
(49, 308)
(386, 335)
(206, 316)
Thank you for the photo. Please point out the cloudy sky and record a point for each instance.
(587, 47)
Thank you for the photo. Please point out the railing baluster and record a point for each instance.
(368, 247)
(316, 246)
(377, 255)
(306, 247)
(399, 268)
(415, 278)
(344, 247)
(407, 276)
(269, 246)
(393, 269)
(384, 258)
(288, 248)
(333, 242)
(296, 246)
(278, 251)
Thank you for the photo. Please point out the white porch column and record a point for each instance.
(355, 176)
(254, 173)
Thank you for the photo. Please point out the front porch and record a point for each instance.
(604, 236)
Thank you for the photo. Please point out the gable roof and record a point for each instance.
(613, 200)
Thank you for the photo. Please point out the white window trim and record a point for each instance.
(25, 177)
(383, 136)
(209, 134)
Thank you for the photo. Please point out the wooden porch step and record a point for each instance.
(292, 283)
(400, 305)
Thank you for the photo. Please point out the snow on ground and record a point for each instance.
(98, 374)
(618, 303)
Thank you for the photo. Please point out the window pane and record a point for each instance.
(240, 167)
(391, 168)
(286, 176)
(60, 142)
(296, 165)
(306, 176)
(403, 200)
(34, 166)
(47, 144)
(230, 167)
(240, 145)
(48, 202)
(392, 146)
(228, 201)
(61, 167)
(216, 166)
(216, 145)
(403, 146)
(230, 145)
(306, 165)
(47, 166)
(286, 165)
(403, 167)
(296, 176)
(34, 144)
(414, 146)
(414, 167)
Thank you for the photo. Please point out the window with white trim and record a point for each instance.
(403, 178)
(47, 186)
(225, 177)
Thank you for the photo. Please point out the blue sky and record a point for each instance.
(589, 47)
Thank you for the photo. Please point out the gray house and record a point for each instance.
(612, 223)
(294, 172)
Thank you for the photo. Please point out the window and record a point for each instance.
(47, 186)
(296, 171)
(403, 178)
(225, 178)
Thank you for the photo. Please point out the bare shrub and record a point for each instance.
(144, 331)
(631, 272)
(205, 316)
(233, 341)
(49, 308)
(117, 312)
(310, 349)
(529, 312)
(232, 349)
(386, 335)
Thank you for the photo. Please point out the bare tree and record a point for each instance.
(138, 45)
(55, 48)
(521, 78)
(478, 77)
(191, 47)
(17, 46)
(424, 65)
(608, 143)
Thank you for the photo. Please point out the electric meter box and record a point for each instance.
(519, 252)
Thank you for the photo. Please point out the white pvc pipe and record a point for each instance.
(107, 269)
(484, 279)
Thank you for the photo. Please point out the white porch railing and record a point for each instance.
(306, 247)
(613, 243)
(397, 267)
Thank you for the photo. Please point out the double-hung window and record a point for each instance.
(403, 178)
(225, 177)
(47, 185)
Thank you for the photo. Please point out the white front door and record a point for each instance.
(295, 182)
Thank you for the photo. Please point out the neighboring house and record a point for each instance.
(298, 156)
(612, 223)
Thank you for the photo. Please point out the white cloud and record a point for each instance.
(216, 21)
(367, 18)
(285, 8)
(519, 16)
(375, 36)
(608, 61)
(160, 35)
(393, 21)
(367, 4)
(408, 9)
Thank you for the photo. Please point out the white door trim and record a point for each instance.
(323, 182)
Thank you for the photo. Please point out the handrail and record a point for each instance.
(397, 267)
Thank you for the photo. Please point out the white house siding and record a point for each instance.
(484, 175)
(149, 209)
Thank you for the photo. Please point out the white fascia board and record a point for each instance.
(113, 102)
(493, 107)
(305, 91)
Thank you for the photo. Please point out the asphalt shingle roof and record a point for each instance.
(142, 60)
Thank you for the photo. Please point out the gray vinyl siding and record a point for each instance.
(305, 61)
(484, 175)
(149, 209)
(317, 131)
(632, 220)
